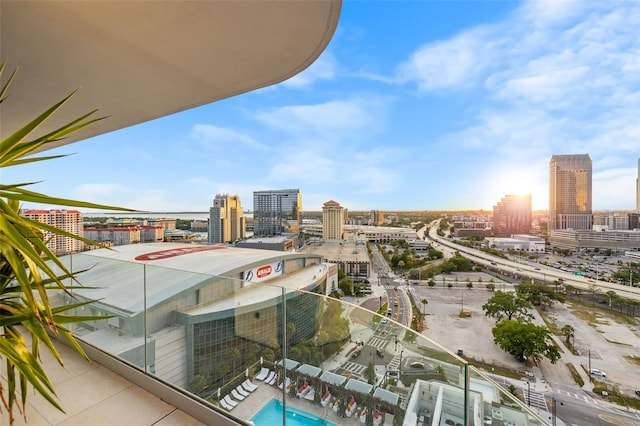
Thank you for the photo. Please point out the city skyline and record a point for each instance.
(439, 106)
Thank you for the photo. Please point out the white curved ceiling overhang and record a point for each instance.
(140, 60)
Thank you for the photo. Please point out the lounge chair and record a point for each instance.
(225, 405)
(236, 395)
(310, 394)
(271, 379)
(287, 383)
(227, 399)
(241, 391)
(302, 390)
(262, 374)
(248, 386)
(326, 399)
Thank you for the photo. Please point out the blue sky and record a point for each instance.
(414, 105)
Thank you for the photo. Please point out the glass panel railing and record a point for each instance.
(267, 352)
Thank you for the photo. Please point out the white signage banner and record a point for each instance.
(264, 272)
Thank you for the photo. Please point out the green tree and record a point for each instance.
(200, 382)
(539, 294)
(507, 305)
(568, 332)
(525, 340)
(424, 304)
(490, 286)
(611, 295)
(434, 254)
(29, 270)
(370, 373)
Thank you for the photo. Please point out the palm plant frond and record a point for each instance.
(29, 270)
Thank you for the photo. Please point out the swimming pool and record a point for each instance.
(271, 415)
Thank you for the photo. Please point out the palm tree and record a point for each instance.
(568, 332)
(424, 303)
(28, 267)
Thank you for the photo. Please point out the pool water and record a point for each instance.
(271, 415)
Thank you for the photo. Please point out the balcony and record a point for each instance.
(181, 346)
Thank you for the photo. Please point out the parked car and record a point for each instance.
(596, 372)
(638, 392)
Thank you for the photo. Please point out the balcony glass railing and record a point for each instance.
(266, 352)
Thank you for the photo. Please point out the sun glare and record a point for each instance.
(521, 183)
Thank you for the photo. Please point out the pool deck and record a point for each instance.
(250, 406)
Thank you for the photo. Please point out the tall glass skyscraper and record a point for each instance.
(273, 211)
(570, 192)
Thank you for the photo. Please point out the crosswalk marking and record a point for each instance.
(378, 343)
(354, 367)
(577, 396)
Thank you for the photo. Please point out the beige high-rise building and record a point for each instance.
(570, 192)
(332, 221)
(226, 219)
(377, 218)
(67, 220)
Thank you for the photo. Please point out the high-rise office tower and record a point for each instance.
(512, 215)
(570, 192)
(272, 211)
(67, 220)
(332, 221)
(377, 217)
(226, 219)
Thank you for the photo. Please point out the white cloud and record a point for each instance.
(332, 120)
(324, 68)
(562, 78)
(547, 87)
(214, 137)
(614, 188)
(450, 64)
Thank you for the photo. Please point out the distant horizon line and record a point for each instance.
(120, 213)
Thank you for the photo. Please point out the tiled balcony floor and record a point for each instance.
(94, 395)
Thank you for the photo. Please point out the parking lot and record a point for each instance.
(609, 345)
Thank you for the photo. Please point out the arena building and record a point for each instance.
(183, 310)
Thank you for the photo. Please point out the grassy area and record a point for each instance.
(550, 322)
(633, 358)
(574, 373)
(624, 401)
(596, 315)
(437, 354)
(501, 371)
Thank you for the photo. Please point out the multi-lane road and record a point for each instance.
(537, 272)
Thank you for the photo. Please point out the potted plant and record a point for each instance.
(28, 267)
